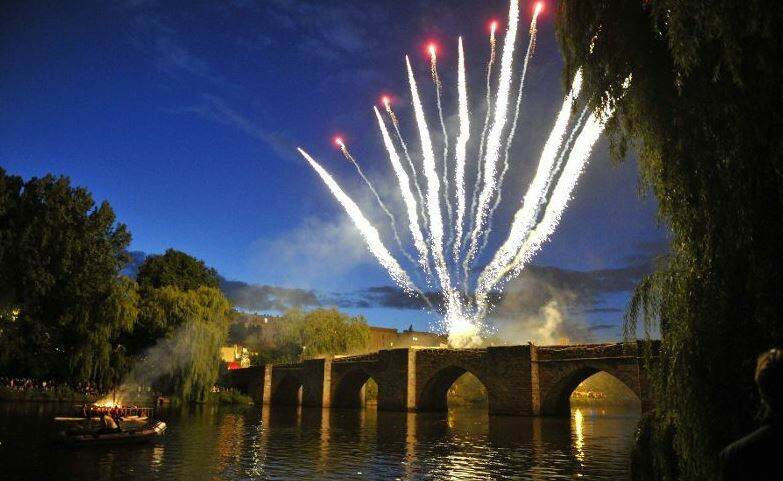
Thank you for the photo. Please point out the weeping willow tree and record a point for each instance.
(702, 113)
(186, 360)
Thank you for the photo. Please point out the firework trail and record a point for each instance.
(567, 146)
(438, 88)
(561, 194)
(433, 198)
(531, 47)
(559, 167)
(492, 152)
(526, 216)
(477, 185)
(462, 145)
(351, 159)
(407, 194)
(401, 139)
(368, 232)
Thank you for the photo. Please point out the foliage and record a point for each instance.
(604, 389)
(467, 390)
(63, 304)
(229, 396)
(702, 111)
(193, 324)
(301, 335)
(371, 391)
(175, 268)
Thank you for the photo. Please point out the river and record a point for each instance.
(220, 443)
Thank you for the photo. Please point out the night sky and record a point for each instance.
(185, 117)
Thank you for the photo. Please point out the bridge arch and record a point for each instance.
(433, 394)
(348, 391)
(288, 390)
(557, 389)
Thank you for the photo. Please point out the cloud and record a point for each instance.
(264, 298)
(216, 109)
(153, 33)
(317, 253)
(378, 296)
(328, 31)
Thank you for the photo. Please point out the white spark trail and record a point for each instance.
(406, 192)
(462, 146)
(531, 47)
(438, 95)
(433, 198)
(392, 220)
(561, 194)
(414, 172)
(368, 232)
(492, 152)
(447, 254)
(567, 146)
(526, 216)
(482, 139)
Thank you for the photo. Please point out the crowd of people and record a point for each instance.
(29, 384)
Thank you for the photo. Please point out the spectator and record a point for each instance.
(757, 456)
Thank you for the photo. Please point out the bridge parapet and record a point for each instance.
(520, 380)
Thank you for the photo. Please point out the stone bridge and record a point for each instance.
(524, 380)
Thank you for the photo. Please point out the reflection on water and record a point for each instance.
(579, 435)
(207, 443)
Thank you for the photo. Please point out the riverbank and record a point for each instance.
(58, 394)
(64, 394)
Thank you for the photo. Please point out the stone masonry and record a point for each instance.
(524, 380)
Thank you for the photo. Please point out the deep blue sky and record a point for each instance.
(184, 116)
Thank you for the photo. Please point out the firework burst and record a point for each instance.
(465, 295)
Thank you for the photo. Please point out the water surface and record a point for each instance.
(215, 443)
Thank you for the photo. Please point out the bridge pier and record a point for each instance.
(523, 380)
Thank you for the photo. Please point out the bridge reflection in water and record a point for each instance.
(288, 443)
(461, 444)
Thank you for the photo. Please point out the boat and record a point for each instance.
(130, 436)
(125, 421)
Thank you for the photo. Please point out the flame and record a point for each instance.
(107, 402)
(493, 26)
(386, 101)
(538, 8)
(338, 141)
(432, 49)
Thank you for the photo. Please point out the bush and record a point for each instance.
(229, 396)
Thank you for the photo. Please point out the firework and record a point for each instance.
(560, 164)
(531, 47)
(407, 194)
(365, 228)
(433, 196)
(381, 203)
(492, 44)
(462, 145)
(528, 213)
(415, 175)
(494, 138)
(433, 50)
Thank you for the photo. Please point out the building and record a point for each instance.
(235, 356)
(388, 338)
(264, 327)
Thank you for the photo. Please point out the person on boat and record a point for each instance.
(108, 424)
(757, 455)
